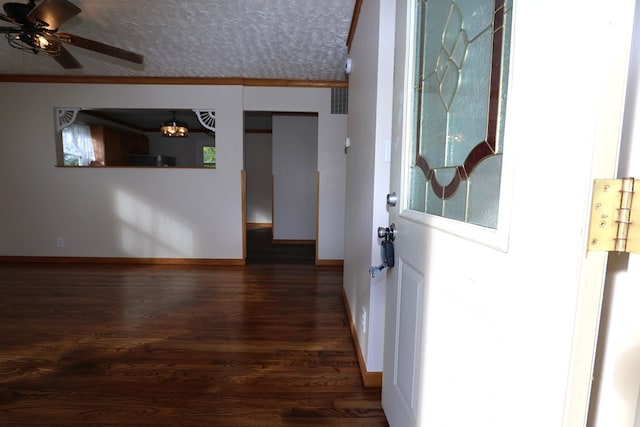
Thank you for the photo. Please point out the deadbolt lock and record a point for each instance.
(392, 199)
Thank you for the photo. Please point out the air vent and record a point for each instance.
(339, 100)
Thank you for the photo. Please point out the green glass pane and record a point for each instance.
(468, 117)
(433, 145)
(456, 206)
(434, 202)
(417, 196)
(484, 192)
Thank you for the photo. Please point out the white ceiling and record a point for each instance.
(263, 39)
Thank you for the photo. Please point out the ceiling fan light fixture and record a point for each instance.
(174, 128)
(36, 42)
(35, 30)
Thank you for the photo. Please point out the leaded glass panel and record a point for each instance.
(460, 75)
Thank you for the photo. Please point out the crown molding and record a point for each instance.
(354, 23)
(208, 81)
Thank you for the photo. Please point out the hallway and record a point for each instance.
(261, 249)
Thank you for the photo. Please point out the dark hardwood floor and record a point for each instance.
(261, 345)
(260, 249)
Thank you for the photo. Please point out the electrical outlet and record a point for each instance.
(60, 242)
(363, 321)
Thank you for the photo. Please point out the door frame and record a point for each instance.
(608, 134)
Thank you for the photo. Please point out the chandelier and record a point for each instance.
(174, 128)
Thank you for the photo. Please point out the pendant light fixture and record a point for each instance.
(174, 128)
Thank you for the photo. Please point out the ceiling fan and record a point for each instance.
(36, 30)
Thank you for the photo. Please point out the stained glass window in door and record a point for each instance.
(460, 75)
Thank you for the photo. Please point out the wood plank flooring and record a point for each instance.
(262, 345)
(260, 249)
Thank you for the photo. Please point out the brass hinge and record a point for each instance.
(615, 216)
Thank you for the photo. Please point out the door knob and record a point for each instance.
(388, 233)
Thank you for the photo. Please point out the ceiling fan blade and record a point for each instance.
(53, 13)
(18, 11)
(67, 60)
(8, 19)
(105, 49)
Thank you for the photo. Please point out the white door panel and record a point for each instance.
(452, 379)
(401, 359)
(408, 319)
(506, 321)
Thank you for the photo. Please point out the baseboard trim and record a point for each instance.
(330, 262)
(112, 260)
(259, 225)
(292, 242)
(370, 379)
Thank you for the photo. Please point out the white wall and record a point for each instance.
(370, 95)
(257, 163)
(117, 212)
(135, 212)
(295, 160)
(332, 131)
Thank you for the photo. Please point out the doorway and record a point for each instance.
(280, 163)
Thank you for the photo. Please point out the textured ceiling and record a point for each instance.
(262, 39)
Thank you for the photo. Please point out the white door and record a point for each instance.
(493, 303)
